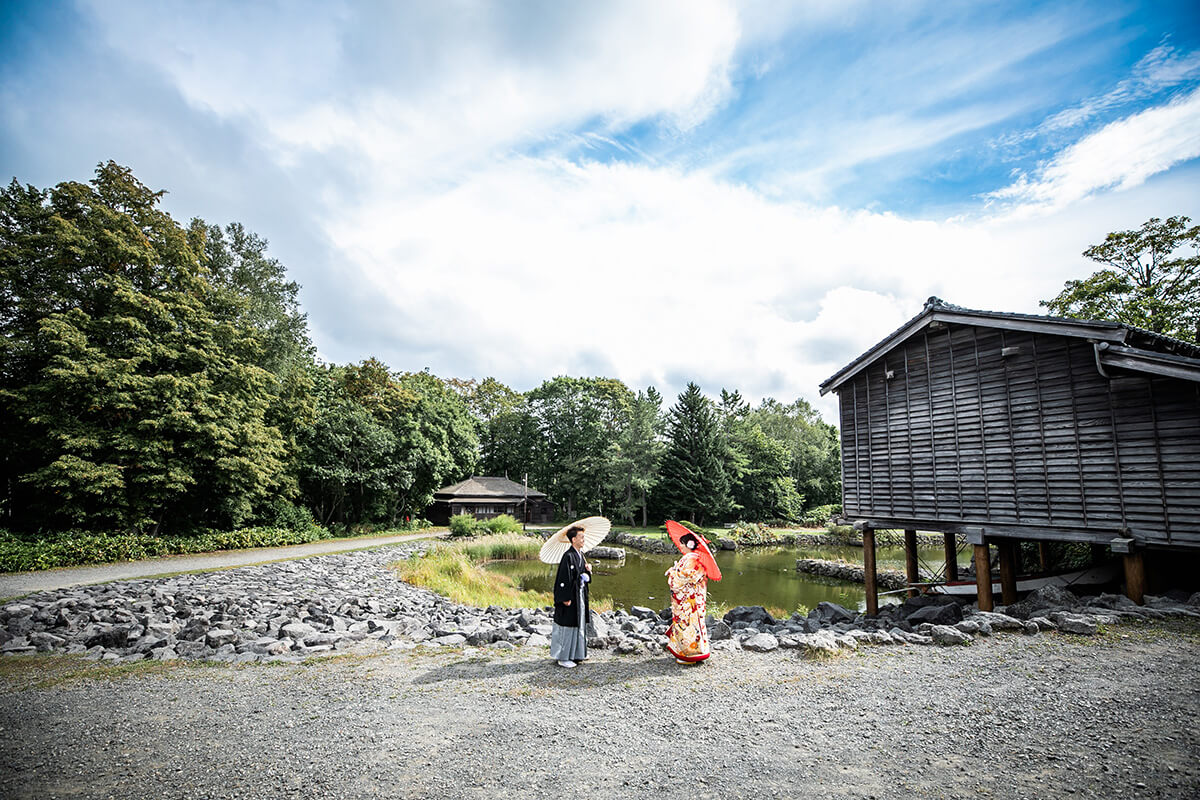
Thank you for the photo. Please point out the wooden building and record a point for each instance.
(487, 497)
(1005, 427)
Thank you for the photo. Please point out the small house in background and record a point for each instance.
(487, 497)
(1007, 427)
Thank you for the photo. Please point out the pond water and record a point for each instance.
(764, 576)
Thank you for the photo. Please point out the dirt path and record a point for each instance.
(16, 584)
(1010, 717)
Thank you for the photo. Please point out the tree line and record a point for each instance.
(159, 378)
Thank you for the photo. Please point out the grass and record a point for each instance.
(456, 571)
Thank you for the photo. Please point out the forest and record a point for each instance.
(159, 379)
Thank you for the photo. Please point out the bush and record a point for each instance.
(752, 533)
(287, 515)
(820, 515)
(502, 524)
(463, 525)
(70, 549)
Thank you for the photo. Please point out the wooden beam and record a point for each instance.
(951, 547)
(1135, 577)
(1008, 571)
(983, 577)
(911, 565)
(869, 578)
(1043, 556)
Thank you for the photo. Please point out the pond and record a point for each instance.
(764, 576)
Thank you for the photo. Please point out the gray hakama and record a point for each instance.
(568, 636)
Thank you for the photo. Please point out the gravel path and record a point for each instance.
(17, 584)
(1007, 717)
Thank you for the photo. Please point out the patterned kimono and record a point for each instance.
(687, 639)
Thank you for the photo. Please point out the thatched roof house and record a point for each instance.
(487, 497)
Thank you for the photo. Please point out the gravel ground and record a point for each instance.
(1007, 717)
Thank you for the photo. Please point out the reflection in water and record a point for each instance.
(759, 577)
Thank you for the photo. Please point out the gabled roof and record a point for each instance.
(485, 488)
(1119, 345)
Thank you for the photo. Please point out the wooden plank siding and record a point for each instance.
(1036, 443)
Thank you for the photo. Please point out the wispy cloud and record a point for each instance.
(1120, 155)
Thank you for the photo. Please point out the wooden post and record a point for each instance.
(911, 564)
(1044, 556)
(1008, 571)
(1135, 577)
(983, 577)
(868, 535)
(951, 556)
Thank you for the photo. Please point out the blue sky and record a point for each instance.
(742, 194)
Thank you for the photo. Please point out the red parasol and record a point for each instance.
(707, 562)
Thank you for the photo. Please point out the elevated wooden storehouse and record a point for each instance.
(1005, 427)
(485, 497)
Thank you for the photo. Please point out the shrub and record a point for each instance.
(820, 515)
(463, 525)
(753, 533)
(502, 524)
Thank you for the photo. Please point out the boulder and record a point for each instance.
(761, 643)
(943, 614)
(751, 615)
(641, 612)
(1041, 598)
(823, 643)
(997, 621)
(945, 635)
(537, 640)
(831, 613)
(1073, 623)
(719, 630)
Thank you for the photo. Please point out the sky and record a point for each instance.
(746, 195)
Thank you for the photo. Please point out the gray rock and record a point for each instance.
(641, 612)
(455, 640)
(719, 630)
(997, 621)
(946, 635)
(1043, 623)
(823, 643)
(219, 637)
(1043, 597)
(750, 615)
(44, 642)
(627, 646)
(298, 631)
(761, 643)
(1073, 623)
(537, 640)
(831, 613)
(1031, 627)
(943, 614)
(503, 645)
(968, 626)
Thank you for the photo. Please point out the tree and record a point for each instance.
(694, 483)
(635, 456)
(132, 400)
(814, 451)
(1151, 282)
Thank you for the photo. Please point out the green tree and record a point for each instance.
(133, 401)
(636, 454)
(1151, 280)
(694, 484)
(814, 451)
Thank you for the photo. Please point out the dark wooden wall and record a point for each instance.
(1038, 439)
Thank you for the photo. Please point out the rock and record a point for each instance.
(218, 637)
(164, 654)
(831, 613)
(598, 627)
(968, 626)
(1043, 623)
(503, 645)
(719, 630)
(822, 643)
(997, 621)
(1194, 600)
(945, 635)
(627, 646)
(942, 614)
(1041, 598)
(190, 649)
(457, 640)
(641, 612)
(44, 642)
(298, 631)
(751, 615)
(761, 643)
(1073, 623)
(1031, 627)
(537, 640)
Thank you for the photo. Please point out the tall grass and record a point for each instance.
(503, 547)
(450, 572)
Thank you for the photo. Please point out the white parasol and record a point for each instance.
(594, 531)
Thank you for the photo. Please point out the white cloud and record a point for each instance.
(1120, 155)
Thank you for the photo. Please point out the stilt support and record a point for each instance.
(1044, 556)
(1135, 577)
(869, 577)
(911, 565)
(951, 546)
(983, 577)
(1008, 570)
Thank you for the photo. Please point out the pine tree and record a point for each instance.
(694, 484)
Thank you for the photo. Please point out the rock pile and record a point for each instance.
(352, 602)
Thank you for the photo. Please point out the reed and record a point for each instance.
(452, 573)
